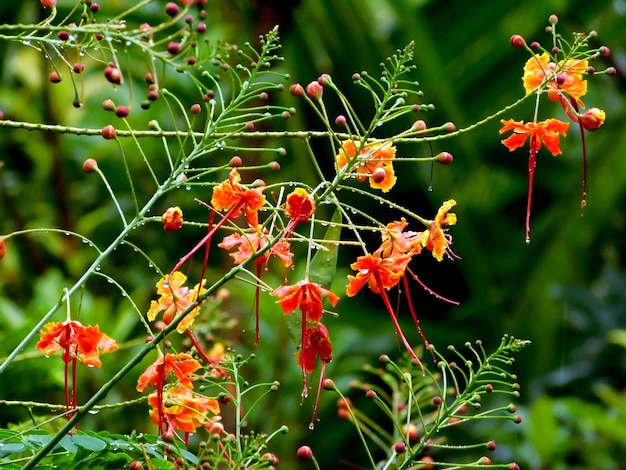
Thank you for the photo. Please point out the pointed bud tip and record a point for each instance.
(517, 41)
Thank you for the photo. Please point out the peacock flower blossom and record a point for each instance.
(564, 76)
(435, 239)
(172, 219)
(250, 243)
(300, 206)
(374, 163)
(84, 343)
(592, 119)
(174, 299)
(378, 273)
(315, 344)
(306, 295)
(397, 242)
(183, 365)
(230, 194)
(182, 409)
(546, 132)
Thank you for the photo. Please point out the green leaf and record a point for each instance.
(88, 442)
(8, 449)
(322, 271)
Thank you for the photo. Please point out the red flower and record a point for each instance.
(396, 242)
(375, 163)
(183, 365)
(435, 239)
(230, 194)
(183, 409)
(76, 341)
(316, 343)
(546, 132)
(307, 296)
(250, 243)
(300, 205)
(377, 272)
(172, 219)
(174, 299)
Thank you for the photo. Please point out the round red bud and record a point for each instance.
(314, 90)
(343, 413)
(195, 108)
(328, 384)
(285, 114)
(55, 77)
(399, 447)
(271, 457)
(113, 75)
(3, 247)
(305, 453)
(281, 151)
(249, 126)
(63, 35)
(171, 9)
(484, 461)
(153, 95)
(535, 45)
(340, 120)
(605, 51)
(49, 3)
(611, 71)
(135, 465)
(517, 41)
(591, 70)
(78, 67)
(517, 419)
(173, 48)
(148, 78)
(109, 132)
(491, 445)
(296, 90)
(592, 119)
(553, 19)
(449, 126)
(379, 175)
(201, 28)
(410, 432)
(419, 125)
(514, 466)
(216, 428)
(90, 165)
(94, 7)
(323, 79)
(122, 111)
(437, 400)
(555, 50)
(236, 161)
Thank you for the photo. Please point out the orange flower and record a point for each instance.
(183, 365)
(250, 243)
(316, 343)
(396, 242)
(183, 409)
(546, 132)
(371, 268)
(172, 219)
(230, 194)
(566, 76)
(76, 341)
(590, 120)
(375, 162)
(435, 239)
(307, 296)
(174, 299)
(300, 206)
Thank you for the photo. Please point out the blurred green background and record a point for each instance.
(565, 291)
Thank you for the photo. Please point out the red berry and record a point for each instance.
(171, 9)
(173, 48)
(399, 447)
(79, 67)
(122, 111)
(113, 75)
(340, 120)
(64, 35)
(195, 108)
(55, 77)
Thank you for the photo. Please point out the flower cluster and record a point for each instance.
(562, 80)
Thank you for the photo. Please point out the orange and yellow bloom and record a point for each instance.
(172, 219)
(182, 409)
(546, 132)
(84, 343)
(435, 238)
(307, 296)
(174, 299)
(378, 273)
(375, 162)
(230, 194)
(183, 365)
(564, 76)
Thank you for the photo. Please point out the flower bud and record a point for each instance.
(90, 165)
(55, 77)
(216, 428)
(296, 90)
(236, 161)
(517, 41)
(314, 90)
(592, 119)
(135, 465)
(445, 158)
(195, 108)
(173, 48)
(113, 75)
(399, 447)
(553, 19)
(172, 219)
(49, 3)
(3, 247)
(305, 453)
(109, 132)
(171, 9)
(605, 52)
(378, 175)
(419, 125)
(122, 111)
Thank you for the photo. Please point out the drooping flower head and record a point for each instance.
(174, 299)
(231, 194)
(307, 296)
(435, 239)
(300, 206)
(375, 163)
(183, 365)
(249, 243)
(378, 273)
(315, 344)
(182, 409)
(84, 343)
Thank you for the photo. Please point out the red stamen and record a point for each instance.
(429, 290)
(532, 162)
(414, 315)
(257, 299)
(305, 392)
(317, 398)
(583, 202)
(385, 298)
